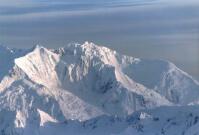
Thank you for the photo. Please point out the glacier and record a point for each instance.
(90, 89)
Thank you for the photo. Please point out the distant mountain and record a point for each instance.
(90, 89)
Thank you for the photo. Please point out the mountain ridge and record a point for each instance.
(81, 82)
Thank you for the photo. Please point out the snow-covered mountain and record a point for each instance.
(90, 89)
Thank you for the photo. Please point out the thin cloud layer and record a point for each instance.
(20, 7)
(154, 29)
(11, 10)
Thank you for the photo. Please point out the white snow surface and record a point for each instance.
(89, 89)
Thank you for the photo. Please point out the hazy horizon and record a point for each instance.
(154, 29)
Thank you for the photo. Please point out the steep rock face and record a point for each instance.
(161, 76)
(39, 66)
(117, 84)
(93, 74)
(7, 57)
(24, 94)
(79, 82)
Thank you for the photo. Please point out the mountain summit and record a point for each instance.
(84, 86)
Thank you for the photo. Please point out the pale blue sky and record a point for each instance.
(165, 29)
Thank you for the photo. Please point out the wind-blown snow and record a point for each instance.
(90, 88)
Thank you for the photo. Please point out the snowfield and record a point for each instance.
(93, 90)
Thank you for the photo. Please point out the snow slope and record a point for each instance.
(54, 91)
(164, 121)
(160, 121)
(82, 71)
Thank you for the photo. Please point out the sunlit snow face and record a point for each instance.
(166, 29)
